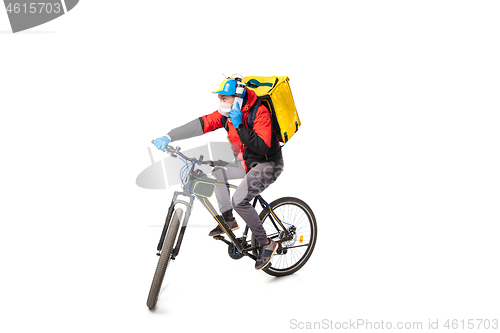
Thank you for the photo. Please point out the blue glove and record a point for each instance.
(236, 115)
(161, 143)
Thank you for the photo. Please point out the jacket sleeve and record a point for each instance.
(196, 127)
(258, 139)
(186, 131)
(211, 122)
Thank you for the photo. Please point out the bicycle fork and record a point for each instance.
(187, 214)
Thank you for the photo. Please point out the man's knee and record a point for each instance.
(242, 196)
(217, 172)
(235, 204)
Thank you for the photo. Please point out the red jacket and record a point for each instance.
(252, 146)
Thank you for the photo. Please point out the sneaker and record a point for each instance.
(231, 223)
(266, 252)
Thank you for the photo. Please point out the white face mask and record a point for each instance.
(224, 108)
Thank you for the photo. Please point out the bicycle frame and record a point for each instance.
(206, 203)
(220, 220)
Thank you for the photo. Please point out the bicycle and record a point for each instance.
(289, 221)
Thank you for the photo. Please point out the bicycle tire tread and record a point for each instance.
(164, 259)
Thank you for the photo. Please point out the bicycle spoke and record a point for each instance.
(299, 235)
(292, 215)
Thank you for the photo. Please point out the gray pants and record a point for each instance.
(254, 182)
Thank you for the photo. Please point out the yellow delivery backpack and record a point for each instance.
(275, 94)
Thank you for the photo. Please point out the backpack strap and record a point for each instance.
(252, 113)
(223, 122)
(268, 104)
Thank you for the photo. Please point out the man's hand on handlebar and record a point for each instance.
(161, 142)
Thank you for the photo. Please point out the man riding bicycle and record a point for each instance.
(256, 148)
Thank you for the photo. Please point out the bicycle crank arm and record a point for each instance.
(221, 238)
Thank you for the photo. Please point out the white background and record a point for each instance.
(398, 156)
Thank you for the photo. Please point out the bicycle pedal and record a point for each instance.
(219, 237)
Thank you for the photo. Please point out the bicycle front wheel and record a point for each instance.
(166, 252)
(300, 222)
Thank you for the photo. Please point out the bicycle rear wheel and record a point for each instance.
(299, 220)
(166, 252)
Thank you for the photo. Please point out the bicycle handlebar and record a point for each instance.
(176, 151)
(222, 163)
